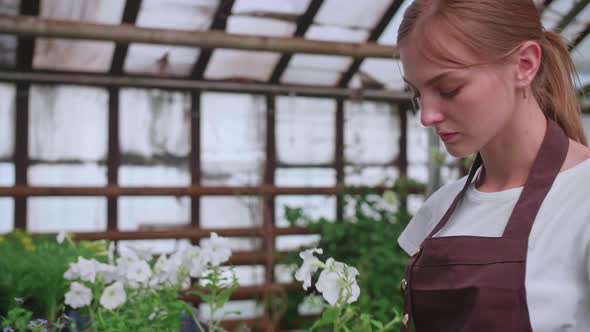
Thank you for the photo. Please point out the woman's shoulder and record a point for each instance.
(424, 221)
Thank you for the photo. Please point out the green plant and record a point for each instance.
(32, 269)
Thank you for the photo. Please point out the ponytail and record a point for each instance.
(554, 87)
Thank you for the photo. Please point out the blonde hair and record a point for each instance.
(492, 30)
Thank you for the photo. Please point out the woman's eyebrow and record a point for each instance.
(431, 81)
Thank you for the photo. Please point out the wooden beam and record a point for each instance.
(373, 37)
(130, 13)
(195, 156)
(24, 26)
(191, 85)
(113, 157)
(339, 156)
(219, 23)
(303, 24)
(115, 191)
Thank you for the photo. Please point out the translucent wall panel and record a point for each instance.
(581, 57)
(371, 132)
(8, 43)
(250, 275)
(240, 243)
(305, 130)
(305, 177)
(6, 215)
(137, 213)
(6, 174)
(313, 206)
(83, 55)
(68, 122)
(154, 123)
(233, 138)
(153, 176)
(389, 35)
(296, 242)
(417, 139)
(160, 59)
(351, 13)
(67, 175)
(555, 12)
(577, 25)
(379, 73)
(77, 214)
(295, 7)
(236, 64)
(284, 273)
(231, 212)
(370, 176)
(156, 247)
(7, 120)
(248, 309)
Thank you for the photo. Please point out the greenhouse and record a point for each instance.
(188, 165)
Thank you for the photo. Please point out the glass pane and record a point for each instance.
(586, 124)
(296, 7)
(418, 172)
(7, 120)
(8, 43)
(577, 25)
(76, 214)
(6, 174)
(140, 176)
(351, 13)
(305, 130)
(235, 64)
(380, 73)
(310, 76)
(371, 132)
(284, 273)
(137, 213)
(313, 206)
(154, 124)
(67, 175)
(160, 59)
(555, 12)
(370, 176)
(338, 34)
(158, 247)
(231, 212)
(77, 55)
(415, 202)
(6, 215)
(68, 123)
(296, 242)
(177, 14)
(417, 140)
(233, 145)
(250, 275)
(305, 177)
(240, 243)
(389, 35)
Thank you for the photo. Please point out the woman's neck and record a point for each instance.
(509, 156)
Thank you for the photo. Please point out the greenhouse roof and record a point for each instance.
(346, 22)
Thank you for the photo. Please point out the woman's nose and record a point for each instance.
(430, 114)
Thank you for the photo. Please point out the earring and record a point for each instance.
(524, 93)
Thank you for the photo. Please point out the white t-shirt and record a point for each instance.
(557, 276)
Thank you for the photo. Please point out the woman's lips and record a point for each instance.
(448, 137)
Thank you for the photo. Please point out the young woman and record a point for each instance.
(508, 247)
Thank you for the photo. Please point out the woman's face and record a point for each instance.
(468, 107)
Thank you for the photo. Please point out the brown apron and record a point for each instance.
(472, 283)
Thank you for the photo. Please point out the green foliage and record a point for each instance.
(32, 268)
(366, 239)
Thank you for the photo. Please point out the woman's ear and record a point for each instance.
(528, 58)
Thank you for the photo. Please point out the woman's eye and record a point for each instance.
(451, 93)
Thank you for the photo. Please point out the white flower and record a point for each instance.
(196, 261)
(337, 283)
(78, 295)
(216, 250)
(107, 273)
(61, 237)
(138, 272)
(84, 269)
(309, 266)
(113, 296)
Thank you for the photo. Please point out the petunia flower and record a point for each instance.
(337, 283)
(113, 296)
(308, 267)
(78, 296)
